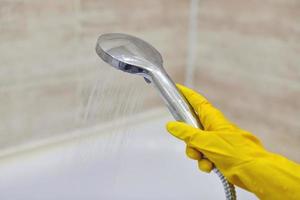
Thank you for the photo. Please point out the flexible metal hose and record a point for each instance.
(229, 189)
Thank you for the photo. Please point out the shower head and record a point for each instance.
(133, 55)
(129, 54)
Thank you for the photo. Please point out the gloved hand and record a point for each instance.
(238, 154)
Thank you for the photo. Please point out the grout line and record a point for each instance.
(192, 43)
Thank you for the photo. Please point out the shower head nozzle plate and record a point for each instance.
(128, 53)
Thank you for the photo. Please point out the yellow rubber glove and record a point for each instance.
(238, 154)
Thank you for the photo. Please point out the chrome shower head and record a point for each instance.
(133, 55)
(129, 54)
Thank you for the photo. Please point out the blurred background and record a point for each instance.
(242, 55)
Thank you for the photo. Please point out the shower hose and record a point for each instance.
(229, 189)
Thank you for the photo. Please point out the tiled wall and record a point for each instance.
(242, 55)
(248, 65)
(51, 79)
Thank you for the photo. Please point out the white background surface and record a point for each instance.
(141, 162)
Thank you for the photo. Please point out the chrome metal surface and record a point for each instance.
(135, 56)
